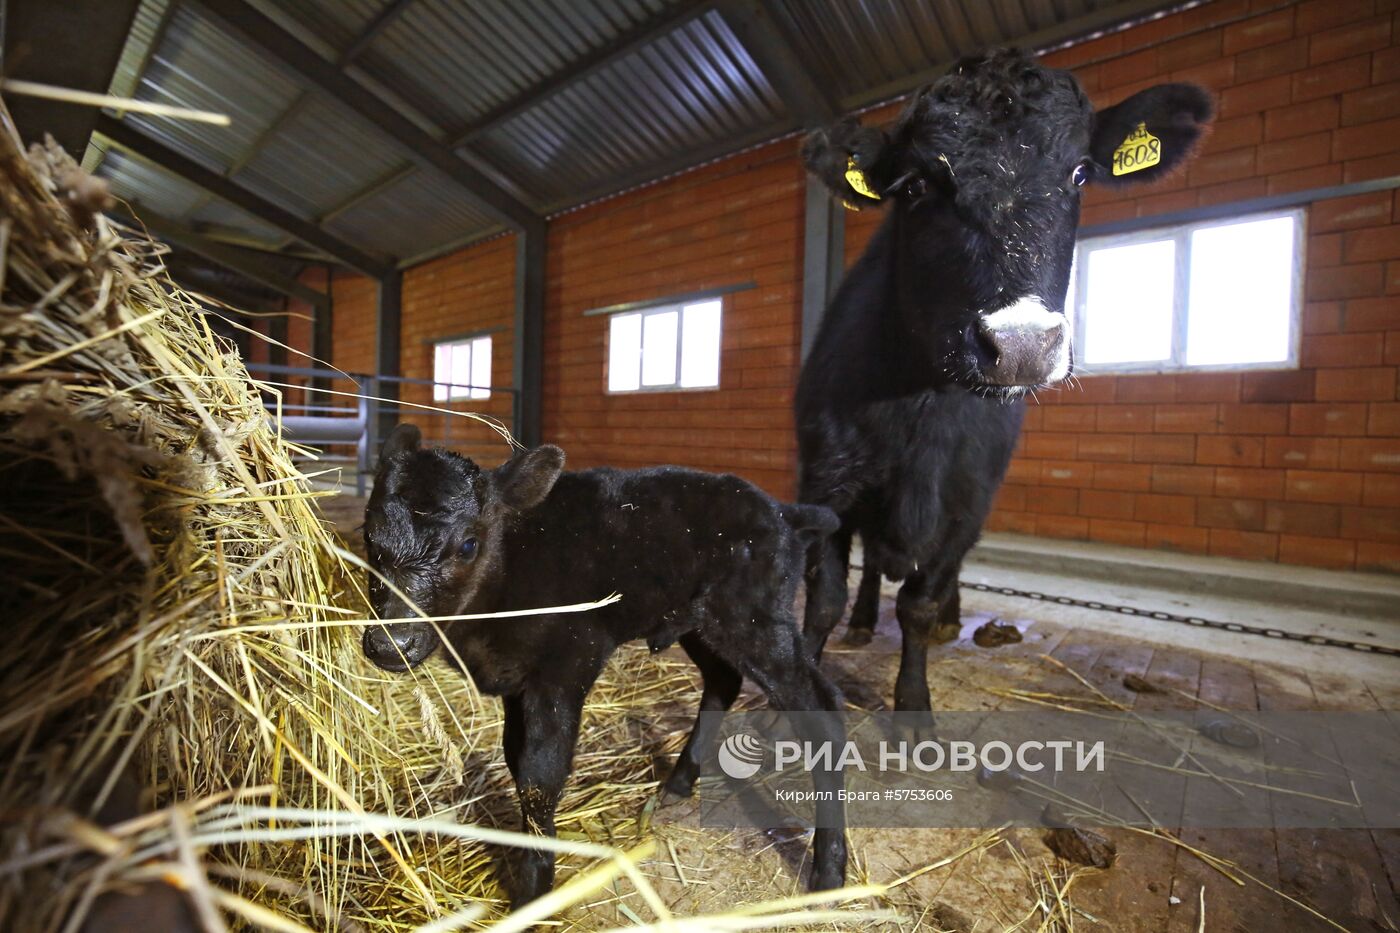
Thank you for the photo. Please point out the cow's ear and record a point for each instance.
(404, 439)
(1147, 136)
(850, 159)
(526, 479)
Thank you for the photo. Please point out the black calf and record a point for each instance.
(708, 560)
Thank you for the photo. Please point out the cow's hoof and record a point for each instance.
(945, 633)
(858, 637)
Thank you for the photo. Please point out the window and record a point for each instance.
(462, 369)
(1214, 294)
(666, 347)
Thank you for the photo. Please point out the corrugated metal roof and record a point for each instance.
(684, 94)
(425, 210)
(684, 91)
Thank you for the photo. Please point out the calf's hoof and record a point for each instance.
(534, 877)
(828, 861)
(680, 784)
(945, 632)
(858, 637)
(914, 726)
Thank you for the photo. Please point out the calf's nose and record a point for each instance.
(399, 647)
(1029, 344)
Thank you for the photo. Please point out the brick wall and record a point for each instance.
(736, 222)
(1300, 466)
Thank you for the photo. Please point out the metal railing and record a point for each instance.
(343, 416)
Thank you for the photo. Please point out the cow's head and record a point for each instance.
(433, 529)
(983, 171)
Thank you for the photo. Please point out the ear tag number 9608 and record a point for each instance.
(1139, 151)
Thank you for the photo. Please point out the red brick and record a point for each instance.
(1383, 419)
(1242, 190)
(1336, 78)
(1392, 348)
(1322, 317)
(1286, 155)
(1325, 249)
(1133, 418)
(1246, 483)
(1256, 96)
(1181, 479)
(1178, 538)
(1243, 514)
(1042, 446)
(1247, 545)
(1381, 489)
(1381, 455)
(1376, 383)
(1349, 213)
(1055, 501)
(1109, 447)
(1335, 419)
(1305, 179)
(1208, 387)
(1097, 503)
(1351, 39)
(1159, 388)
(1303, 518)
(1358, 280)
(1347, 350)
(1186, 419)
(1280, 385)
(1230, 451)
(1066, 473)
(1368, 139)
(1371, 524)
(1301, 119)
(1126, 69)
(1067, 418)
(1153, 507)
(1254, 418)
(1225, 135)
(1310, 452)
(1126, 477)
(1322, 486)
(1271, 60)
(1317, 15)
(1385, 65)
(1375, 555)
(1188, 50)
(1317, 552)
(1170, 448)
(1258, 31)
(1370, 104)
(1371, 244)
(1128, 534)
(1062, 526)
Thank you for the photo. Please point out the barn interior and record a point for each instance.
(420, 210)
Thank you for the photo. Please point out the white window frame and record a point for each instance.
(454, 392)
(644, 313)
(1181, 235)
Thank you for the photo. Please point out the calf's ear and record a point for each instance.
(1147, 136)
(404, 439)
(525, 479)
(851, 160)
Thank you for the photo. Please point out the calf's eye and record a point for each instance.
(1079, 175)
(916, 187)
(468, 549)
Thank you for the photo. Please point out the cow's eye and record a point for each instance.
(1079, 175)
(468, 549)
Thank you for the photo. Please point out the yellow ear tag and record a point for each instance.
(856, 179)
(1139, 151)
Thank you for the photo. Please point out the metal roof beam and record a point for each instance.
(241, 19)
(754, 26)
(127, 137)
(620, 46)
(230, 257)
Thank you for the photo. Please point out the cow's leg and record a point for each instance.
(866, 612)
(772, 657)
(827, 564)
(539, 734)
(722, 684)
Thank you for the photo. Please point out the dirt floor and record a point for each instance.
(1348, 877)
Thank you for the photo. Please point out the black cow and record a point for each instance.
(909, 404)
(711, 561)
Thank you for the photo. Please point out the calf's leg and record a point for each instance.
(827, 564)
(773, 658)
(722, 683)
(539, 734)
(917, 610)
(866, 612)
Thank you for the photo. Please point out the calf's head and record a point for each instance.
(433, 530)
(983, 171)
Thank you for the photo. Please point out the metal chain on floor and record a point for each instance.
(1235, 627)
